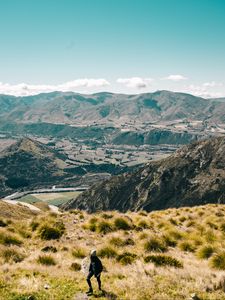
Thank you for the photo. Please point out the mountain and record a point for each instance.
(193, 175)
(73, 108)
(29, 164)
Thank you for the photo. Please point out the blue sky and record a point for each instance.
(125, 46)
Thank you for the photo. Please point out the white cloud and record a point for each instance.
(203, 90)
(175, 77)
(23, 89)
(135, 82)
(212, 84)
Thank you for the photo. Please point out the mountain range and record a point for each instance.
(193, 175)
(72, 108)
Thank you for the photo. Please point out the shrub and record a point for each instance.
(205, 252)
(163, 260)
(2, 223)
(218, 261)
(154, 244)
(187, 246)
(49, 249)
(8, 239)
(104, 227)
(121, 223)
(108, 252)
(12, 255)
(47, 260)
(75, 267)
(126, 258)
(51, 232)
(78, 253)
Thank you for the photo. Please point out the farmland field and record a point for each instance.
(51, 198)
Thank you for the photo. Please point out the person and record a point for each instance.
(95, 269)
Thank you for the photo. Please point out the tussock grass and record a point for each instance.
(107, 252)
(122, 224)
(163, 260)
(46, 260)
(123, 254)
(205, 252)
(9, 239)
(49, 249)
(51, 231)
(126, 258)
(3, 223)
(187, 246)
(12, 255)
(155, 244)
(104, 227)
(218, 261)
(75, 267)
(78, 253)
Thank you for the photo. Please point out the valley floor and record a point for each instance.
(162, 255)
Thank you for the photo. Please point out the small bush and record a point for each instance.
(154, 244)
(51, 232)
(78, 253)
(126, 258)
(108, 252)
(121, 224)
(75, 267)
(218, 261)
(163, 260)
(8, 239)
(47, 260)
(12, 255)
(205, 252)
(49, 249)
(104, 227)
(187, 246)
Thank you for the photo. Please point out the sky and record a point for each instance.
(123, 46)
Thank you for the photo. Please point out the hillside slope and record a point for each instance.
(29, 163)
(193, 175)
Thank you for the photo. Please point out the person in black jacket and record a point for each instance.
(94, 269)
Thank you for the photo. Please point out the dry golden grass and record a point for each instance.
(197, 246)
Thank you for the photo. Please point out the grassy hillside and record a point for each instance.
(162, 255)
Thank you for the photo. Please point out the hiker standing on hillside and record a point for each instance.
(94, 269)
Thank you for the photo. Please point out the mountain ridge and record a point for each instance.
(193, 175)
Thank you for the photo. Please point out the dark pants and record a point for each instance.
(98, 277)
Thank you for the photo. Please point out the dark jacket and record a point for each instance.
(95, 265)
